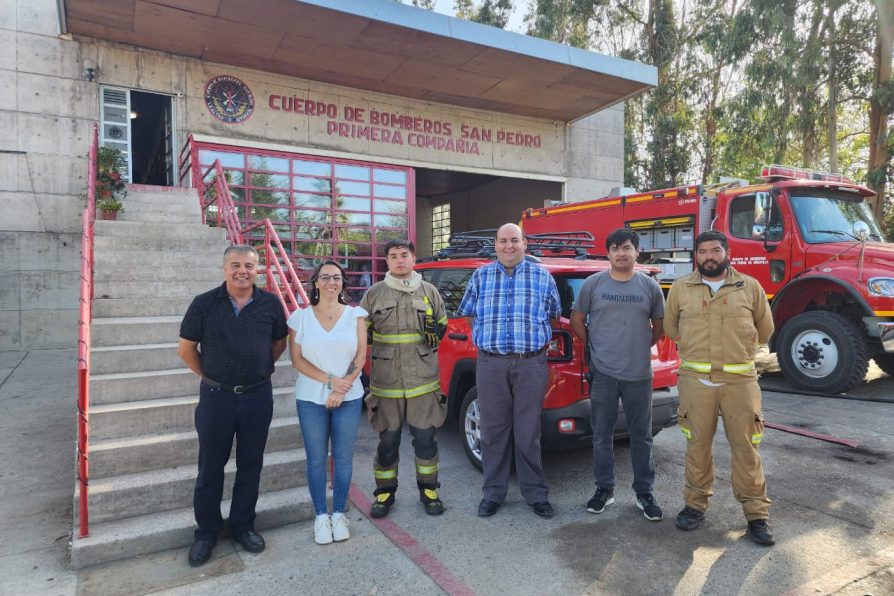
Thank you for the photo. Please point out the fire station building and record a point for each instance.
(347, 123)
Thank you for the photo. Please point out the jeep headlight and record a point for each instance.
(881, 286)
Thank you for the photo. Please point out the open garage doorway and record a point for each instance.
(450, 202)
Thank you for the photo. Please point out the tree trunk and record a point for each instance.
(833, 92)
(878, 115)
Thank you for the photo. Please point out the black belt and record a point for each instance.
(237, 389)
(516, 355)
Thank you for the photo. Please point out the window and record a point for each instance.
(748, 218)
(440, 227)
(321, 208)
(451, 283)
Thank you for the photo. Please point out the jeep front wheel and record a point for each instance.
(470, 427)
(823, 351)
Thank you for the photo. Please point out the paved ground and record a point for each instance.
(833, 515)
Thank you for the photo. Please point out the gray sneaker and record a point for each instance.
(650, 508)
(602, 498)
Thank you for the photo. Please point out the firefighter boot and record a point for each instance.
(427, 480)
(386, 486)
(384, 500)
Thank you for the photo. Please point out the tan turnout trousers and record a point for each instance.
(739, 405)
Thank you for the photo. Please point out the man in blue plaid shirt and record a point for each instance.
(511, 303)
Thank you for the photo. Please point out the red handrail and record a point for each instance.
(84, 320)
(281, 281)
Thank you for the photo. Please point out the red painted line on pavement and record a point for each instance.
(806, 433)
(426, 561)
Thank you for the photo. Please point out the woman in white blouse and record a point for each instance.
(328, 348)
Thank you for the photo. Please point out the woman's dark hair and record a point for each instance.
(315, 293)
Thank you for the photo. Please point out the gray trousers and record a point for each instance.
(510, 397)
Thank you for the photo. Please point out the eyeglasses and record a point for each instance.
(327, 278)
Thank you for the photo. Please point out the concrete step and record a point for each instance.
(123, 331)
(140, 202)
(133, 358)
(162, 216)
(146, 493)
(123, 539)
(173, 230)
(164, 415)
(141, 289)
(166, 306)
(154, 384)
(184, 239)
(145, 272)
(129, 455)
(208, 256)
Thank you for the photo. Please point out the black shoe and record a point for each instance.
(251, 541)
(382, 505)
(759, 532)
(428, 494)
(602, 498)
(543, 509)
(200, 552)
(651, 510)
(689, 519)
(487, 508)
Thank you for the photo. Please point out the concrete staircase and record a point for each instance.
(143, 448)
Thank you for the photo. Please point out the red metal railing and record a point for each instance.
(279, 272)
(84, 320)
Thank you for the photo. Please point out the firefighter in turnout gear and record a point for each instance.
(718, 317)
(406, 322)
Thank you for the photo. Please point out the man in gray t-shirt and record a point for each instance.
(619, 313)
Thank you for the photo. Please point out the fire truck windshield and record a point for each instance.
(831, 217)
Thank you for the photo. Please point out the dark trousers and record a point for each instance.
(510, 397)
(221, 416)
(636, 397)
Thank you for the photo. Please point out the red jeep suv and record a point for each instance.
(566, 407)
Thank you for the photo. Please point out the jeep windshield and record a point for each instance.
(830, 216)
(451, 283)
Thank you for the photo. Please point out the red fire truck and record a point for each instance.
(809, 238)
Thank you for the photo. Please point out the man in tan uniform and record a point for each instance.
(718, 317)
(407, 321)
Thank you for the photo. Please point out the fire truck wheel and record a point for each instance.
(885, 362)
(823, 351)
(470, 427)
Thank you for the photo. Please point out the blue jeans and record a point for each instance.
(319, 425)
(636, 397)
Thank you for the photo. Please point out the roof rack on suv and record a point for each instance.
(482, 243)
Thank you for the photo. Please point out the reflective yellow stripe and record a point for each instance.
(411, 392)
(702, 367)
(757, 438)
(385, 474)
(738, 369)
(427, 469)
(705, 367)
(397, 338)
(686, 432)
(442, 320)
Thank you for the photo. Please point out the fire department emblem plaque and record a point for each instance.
(229, 99)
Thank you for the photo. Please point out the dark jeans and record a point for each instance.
(221, 416)
(636, 397)
(510, 397)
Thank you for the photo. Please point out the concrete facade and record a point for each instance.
(49, 107)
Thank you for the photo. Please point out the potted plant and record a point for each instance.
(109, 182)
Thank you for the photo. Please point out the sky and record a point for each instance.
(516, 21)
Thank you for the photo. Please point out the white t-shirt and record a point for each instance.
(330, 351)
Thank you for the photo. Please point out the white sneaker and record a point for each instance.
(340, 527)
(322, 530)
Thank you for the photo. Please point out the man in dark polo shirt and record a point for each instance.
(231, 337)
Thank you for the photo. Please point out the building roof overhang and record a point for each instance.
(377, 45)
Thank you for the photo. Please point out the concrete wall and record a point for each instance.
(47, 110)
(595, 155)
